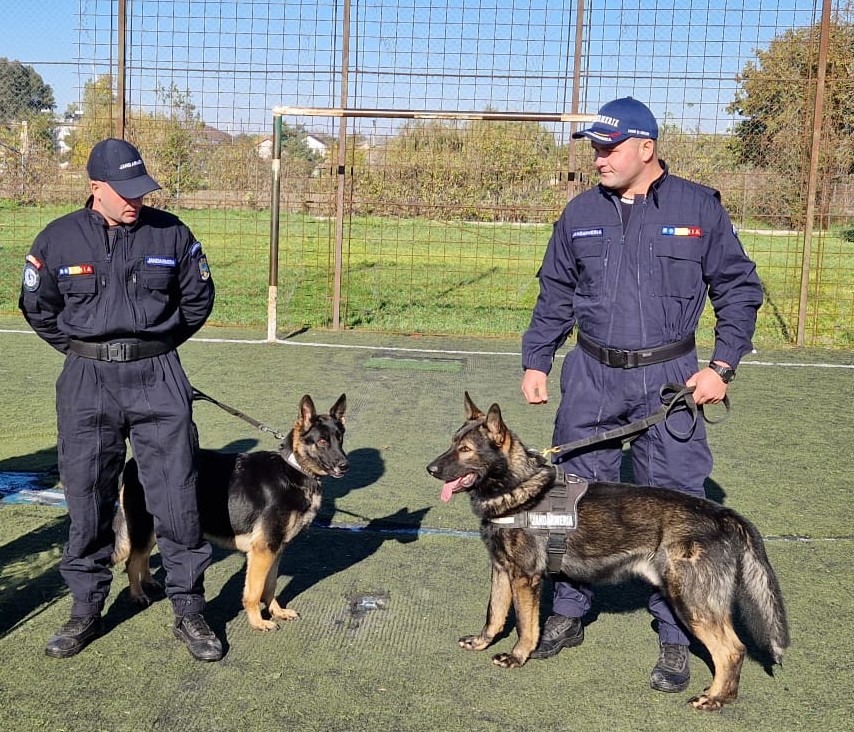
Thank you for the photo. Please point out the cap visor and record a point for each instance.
(135, 187)
(603, 138)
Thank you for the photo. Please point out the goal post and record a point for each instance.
(344, 114)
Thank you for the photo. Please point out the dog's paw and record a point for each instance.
(473, 642)
(507, 660)
(263, 625)
(141, 593)
(707, 703)
(284, 613)
(140, 599)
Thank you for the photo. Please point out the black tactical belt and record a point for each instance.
(124, 351)
(619, 359)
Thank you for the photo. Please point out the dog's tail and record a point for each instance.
(759, 596)
(122, 545)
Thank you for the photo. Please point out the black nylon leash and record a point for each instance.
(200, 395)
(675, 397)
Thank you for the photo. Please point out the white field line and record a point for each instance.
(447, 352)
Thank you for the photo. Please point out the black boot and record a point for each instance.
(74, 636)
(199, 638)
(559, 632)
(671, 673)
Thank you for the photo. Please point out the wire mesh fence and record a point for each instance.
(428, 207)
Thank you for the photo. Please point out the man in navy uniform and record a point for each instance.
(117, 286)
(629, 266)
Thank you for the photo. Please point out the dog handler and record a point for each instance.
(117, 286)
(630, 263)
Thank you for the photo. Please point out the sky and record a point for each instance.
(48, 37)
(507, 55)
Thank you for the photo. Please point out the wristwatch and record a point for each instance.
(726, 373)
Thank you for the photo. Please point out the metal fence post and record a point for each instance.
(275, 196)
(812, 182)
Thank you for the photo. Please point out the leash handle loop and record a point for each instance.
(677, 397)
(674, 397)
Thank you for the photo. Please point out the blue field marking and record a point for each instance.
(24, 488)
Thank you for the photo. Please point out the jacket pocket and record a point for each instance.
(80, 293)
(590, 261)
(78, 286)
(677, 267)
(154, 295)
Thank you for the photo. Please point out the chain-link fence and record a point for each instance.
(426, 147)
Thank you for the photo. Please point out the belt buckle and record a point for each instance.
(618, 358)
(118, 351)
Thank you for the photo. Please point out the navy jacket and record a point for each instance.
(87, 281)
(647, 287)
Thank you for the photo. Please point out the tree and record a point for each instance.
(167, 138)
(475, 170)
(23, 92)
(777, 96)
(100, 109)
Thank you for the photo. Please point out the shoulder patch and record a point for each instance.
(195, 248)
(35, 261)
(204, 269)
(32, 278)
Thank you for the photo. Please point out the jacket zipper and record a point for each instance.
(638, 271)
(618, 264)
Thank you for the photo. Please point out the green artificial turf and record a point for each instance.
(390, 576)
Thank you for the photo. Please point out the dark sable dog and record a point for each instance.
(705, 558)
(254, 502)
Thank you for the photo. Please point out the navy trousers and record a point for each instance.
(100, 406)
(596, 398)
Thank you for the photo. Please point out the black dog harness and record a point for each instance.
(554, 515)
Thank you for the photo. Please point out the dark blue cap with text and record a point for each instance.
(119, 163)
(619, 120)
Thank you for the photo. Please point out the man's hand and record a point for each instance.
(709, 388)
(534, 386)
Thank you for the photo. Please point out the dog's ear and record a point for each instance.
(472, 412)
(495, 425)
(307, 411)
(338, 409)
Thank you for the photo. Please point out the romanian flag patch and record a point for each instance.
(694, 232)
(76, 269)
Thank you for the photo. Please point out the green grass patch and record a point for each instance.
(415, 364)
(422, 276)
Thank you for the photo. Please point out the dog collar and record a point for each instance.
(292, 460)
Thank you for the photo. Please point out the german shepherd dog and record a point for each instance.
(705, 558)
(255, 502)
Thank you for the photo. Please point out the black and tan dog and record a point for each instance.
(705, 558)
(254, 502)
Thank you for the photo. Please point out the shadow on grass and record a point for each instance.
(34, 462)
(23, 594)
(319, 552)
(324, 550)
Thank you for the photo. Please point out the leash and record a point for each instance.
(675, 397)
(200, 395)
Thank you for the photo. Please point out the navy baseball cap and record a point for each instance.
(119, 163)
(619, 120)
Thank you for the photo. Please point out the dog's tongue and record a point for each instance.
(449, 488)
